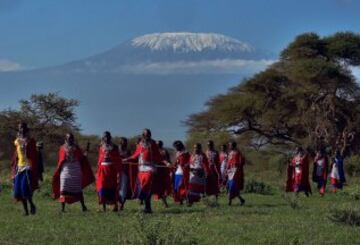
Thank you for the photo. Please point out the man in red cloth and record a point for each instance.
(108, 172)
(162, 179)
(213, 178)
(147, 155)
(235, 173)
(25, 168)
(320, 172)
(181, 173)
(72, 175)
(298, 173)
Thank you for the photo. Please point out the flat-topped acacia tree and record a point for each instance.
(308, 97)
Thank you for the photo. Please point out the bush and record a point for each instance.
(292, 200)
(353, 192)
(257, 187)
(348, 216)
(352, 165)
(153, 231)
(279, 162)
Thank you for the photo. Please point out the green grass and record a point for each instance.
(265, 219)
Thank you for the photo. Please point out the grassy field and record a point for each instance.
(265, 219)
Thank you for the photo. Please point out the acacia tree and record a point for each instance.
(308, 97)
(49, 117)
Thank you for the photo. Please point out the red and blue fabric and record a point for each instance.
(337, 174)
(320, 173)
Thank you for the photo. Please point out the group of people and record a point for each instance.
(122, 175)
(324, 167)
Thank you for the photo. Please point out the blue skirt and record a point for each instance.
(22, 185)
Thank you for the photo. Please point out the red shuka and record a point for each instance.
(237, 160)
(131, 172)
(162, 179)
(108, 176)
(182, 161)
(32, 156)
(87, 173)
(213, 178)
(298, 175)
(149, 154)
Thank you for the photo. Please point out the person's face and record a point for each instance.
(197, 149)
(107, 138)
(210, 145)
(69, 139)
(123, 144)
(223, 148)
(22, 129)
(146, 135)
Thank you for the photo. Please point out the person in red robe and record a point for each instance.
(24, 167)
(320, 172)
(199, 169)
(73, 173)
(181, 173)
(128, 175)
(108, 172)
(224, 155)
(147, 155)
(213, 177)
(235, 173)
(162, 179)
(298, 173)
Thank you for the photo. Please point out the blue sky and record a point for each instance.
(44, 32)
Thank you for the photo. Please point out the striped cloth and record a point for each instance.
(70, 182)
(197, 183)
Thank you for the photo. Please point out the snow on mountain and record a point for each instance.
(190, 42)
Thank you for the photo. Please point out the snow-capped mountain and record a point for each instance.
(182, 52)
(190, 42)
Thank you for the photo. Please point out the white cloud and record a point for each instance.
(207, 66)
(8, 65)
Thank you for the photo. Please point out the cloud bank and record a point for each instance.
(8, 65)
(228, 66)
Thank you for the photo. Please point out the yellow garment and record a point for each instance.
(21, 154)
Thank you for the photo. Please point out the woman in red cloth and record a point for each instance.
(128, 175)
(181, 174)
(213, 178)
(108, 172)
(162, 179)
(72, 175)
(224, 155)
(25, 168)
(199, 168)
(147, 155)
(298, 173)
(235, 173)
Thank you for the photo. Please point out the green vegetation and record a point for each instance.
(308, 97)
(279, 218)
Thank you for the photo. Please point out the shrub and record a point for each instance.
(155, 231)
(352, 165)
(348, 216)
(292, 200)
(279, 162)
(258, 187)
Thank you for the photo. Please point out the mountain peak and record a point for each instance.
(186, 42)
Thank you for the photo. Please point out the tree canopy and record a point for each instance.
(308, 97)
